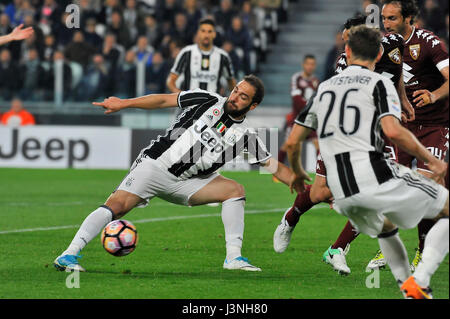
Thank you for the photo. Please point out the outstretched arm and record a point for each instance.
(149, 102)
(17, 34)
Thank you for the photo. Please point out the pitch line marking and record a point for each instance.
(150, 220)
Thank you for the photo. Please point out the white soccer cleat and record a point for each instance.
(377, 262)
(336, 258)
(282, 235)
(239, 263)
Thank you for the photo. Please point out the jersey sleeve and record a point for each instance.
(226, 66)
(386, 99)
(254, 149)
(438, 53)
(194, 98)
(307, 117)
(180, 64)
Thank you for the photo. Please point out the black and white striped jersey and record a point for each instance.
(200, 69)
(346, 113)
(203, 138)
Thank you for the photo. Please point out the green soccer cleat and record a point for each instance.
(336, 258)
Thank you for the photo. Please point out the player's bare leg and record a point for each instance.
(117, 205)
(232, 196)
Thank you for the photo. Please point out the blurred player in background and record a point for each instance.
(303, 85)
(181, 166)
(17, 34)
(426, 77)
(202, 65)
(390, 66)
(376, 194)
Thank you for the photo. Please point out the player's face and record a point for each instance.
(393, 20)
(206, 35)
(309, 66)
(240, 100)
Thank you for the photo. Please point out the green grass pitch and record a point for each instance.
(180, 250)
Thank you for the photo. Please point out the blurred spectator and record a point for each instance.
(112, 53)
(5, 29)
(180, 31)
(193, 15)
(121, 31)
(78, 50)
(49, 48)
(30, 74)
(147, 6)
(223, 15)
(48, 77)
(87, 10)
(63, 35)
(92, 85)
(151, 29)
(253, 19)
(235, 60)
(126, 87)
(37, 39)
(49, 14)
(17, 115)
(333, 54)
(433, 16)
(166, 11)
(90, 34)
(156, 74)
(240, 37)
(143, 50)
(105, 14)
(131, 17)
(9, 75)
(12, 10)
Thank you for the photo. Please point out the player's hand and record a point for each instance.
(111, 104)
(424, 97)
(19, 34)
(298, 182)
(439, 169)
(408, 113)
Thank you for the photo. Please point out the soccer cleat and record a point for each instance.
(275, 180)
(240, 263)
(282, 235)
(68, 263)
(411, 290)
(416, 260)
(336, 258)
(377, 262)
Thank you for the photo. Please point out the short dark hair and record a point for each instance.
(354, 21)
(256, 82)
(409, 8)
(207, 21)
(308, 56)
(365, 42)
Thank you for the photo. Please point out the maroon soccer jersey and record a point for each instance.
(301, 91)
(423, 58)
(390, 64)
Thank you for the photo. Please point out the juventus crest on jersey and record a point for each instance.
(199, 69)
(346, 113)
(204, 137)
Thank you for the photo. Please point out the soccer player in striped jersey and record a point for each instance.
(376, 194)
(202, 65)
(181, 165)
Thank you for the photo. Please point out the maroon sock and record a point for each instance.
(301, 205)
(423, 228)
(346, 236)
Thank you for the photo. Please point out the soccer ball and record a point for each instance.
(119, 238)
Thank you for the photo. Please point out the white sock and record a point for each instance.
(396, 256)
(233, 222)
(434, 251)
(91, 227)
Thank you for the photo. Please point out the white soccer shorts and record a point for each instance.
(405, 200)
(147, 179)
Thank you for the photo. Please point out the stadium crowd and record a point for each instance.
(99, 57)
